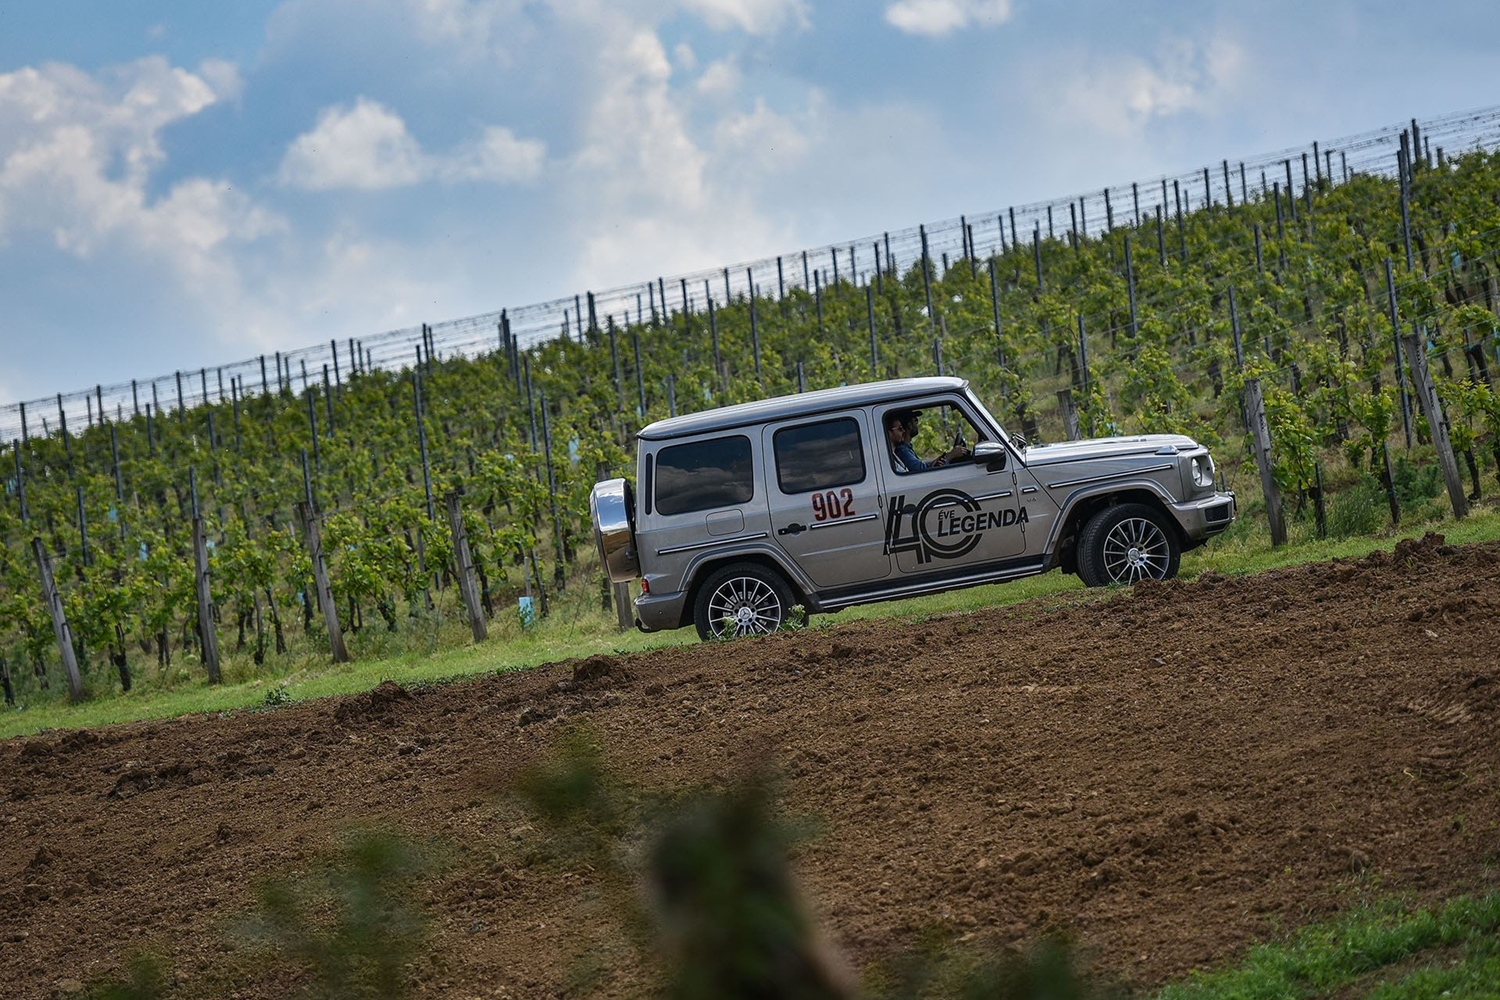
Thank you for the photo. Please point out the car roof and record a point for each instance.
(802, 404)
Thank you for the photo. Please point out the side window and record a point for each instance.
(930, 436)
(704, 475)
(819, 456)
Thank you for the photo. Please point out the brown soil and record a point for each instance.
(1173, 773)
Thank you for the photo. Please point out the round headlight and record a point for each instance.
(1203, 472)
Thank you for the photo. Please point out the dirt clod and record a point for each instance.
(382, 699)
(595, 667)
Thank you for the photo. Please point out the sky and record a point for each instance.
(186, 183)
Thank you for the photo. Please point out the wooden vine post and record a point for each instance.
(754, 320)
(468, 587)
(559, 574)
(927, 281)
(206, 634)
(1390, 291)
(1437, 423)
(623, 607)
(1069, 412)
(1260, 432)
(1254, 401)
(60, 629)
(320, 580)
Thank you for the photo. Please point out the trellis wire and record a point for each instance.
(959, 238)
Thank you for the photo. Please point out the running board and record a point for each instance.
(932, 585)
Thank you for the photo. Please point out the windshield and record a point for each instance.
(991, 427)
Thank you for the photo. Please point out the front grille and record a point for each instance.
(1213, 515)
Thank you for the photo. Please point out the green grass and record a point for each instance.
(1377, 950)
(1245, 548)
(437, 650)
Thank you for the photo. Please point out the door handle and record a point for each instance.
(792, 529)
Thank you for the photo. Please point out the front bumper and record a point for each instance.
(656, 612)
(1208, 516)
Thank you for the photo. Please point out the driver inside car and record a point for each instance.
(900, 430)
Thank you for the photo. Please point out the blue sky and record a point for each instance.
(187, 183)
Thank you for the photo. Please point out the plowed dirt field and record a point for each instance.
(1173, 772)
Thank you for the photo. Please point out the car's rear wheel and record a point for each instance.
(1127, 543)
(741, 599)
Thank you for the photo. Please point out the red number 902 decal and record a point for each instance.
(831, 505)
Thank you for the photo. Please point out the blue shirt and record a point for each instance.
(907, 460)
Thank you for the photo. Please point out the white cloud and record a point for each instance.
(757, 17)
(223, 77)
(464, 31)
(502, 29)
(122, 112)
(332, 290)
(719, 79)
(199, 214)
(451, 21)
(935, 18)
(498, 157)
(1124, 94)
(77, 156)
(636, 142)
(76, 153)
(367, 148)
(655, 180)
(762, 138)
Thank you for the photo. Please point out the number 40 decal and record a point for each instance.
(831, 505)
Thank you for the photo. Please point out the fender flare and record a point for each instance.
(759, 551)
(1084, 493)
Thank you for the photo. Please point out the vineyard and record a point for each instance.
(418, 483)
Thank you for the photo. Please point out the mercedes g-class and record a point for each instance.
(821, 499)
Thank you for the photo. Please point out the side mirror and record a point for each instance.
(990, 454)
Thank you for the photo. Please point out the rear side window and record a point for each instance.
(704, 475)
(818, 456)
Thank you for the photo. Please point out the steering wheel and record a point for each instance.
(959, 442)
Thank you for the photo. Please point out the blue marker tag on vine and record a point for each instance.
(527, 610)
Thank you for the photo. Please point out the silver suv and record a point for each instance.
(872, 493)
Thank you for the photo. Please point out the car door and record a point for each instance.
(965, 513)
(825, 497)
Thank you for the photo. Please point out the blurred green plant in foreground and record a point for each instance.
(352, 927)
(700, 881)
(713, 901)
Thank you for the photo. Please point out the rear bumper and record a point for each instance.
(1200, 519)
(658, 612)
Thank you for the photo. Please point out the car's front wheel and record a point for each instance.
(1127, 543)
(741, 599)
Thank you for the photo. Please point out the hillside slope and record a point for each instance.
(1174, 772)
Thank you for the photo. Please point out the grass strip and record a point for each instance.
(577, 628)
(1380, 949)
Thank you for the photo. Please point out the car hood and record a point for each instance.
(1111, 447)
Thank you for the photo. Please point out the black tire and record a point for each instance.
(1127, 543)
(756, 597)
